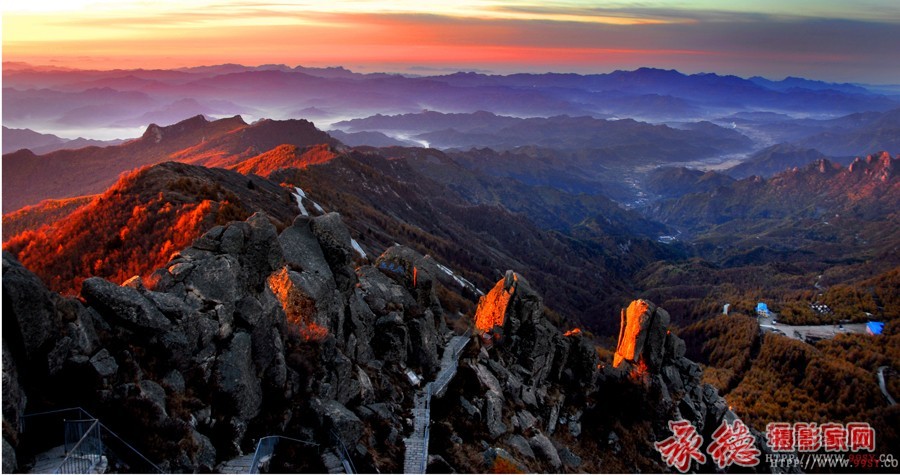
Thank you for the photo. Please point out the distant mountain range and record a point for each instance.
(50, 99)
(837, 213)
(18, 139)
(484, 129)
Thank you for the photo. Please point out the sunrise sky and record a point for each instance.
(836, 40)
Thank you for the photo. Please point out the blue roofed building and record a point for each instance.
(874, 328)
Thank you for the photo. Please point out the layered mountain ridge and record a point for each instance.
(29, 178)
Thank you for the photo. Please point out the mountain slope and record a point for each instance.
(866, 188)
(773, 160)
(285, 156)
(668, 182)
(45, 213)
(871, 133)
(486, 224)
(17, 139)
(785, 239)
(28, 178)
(138, 223)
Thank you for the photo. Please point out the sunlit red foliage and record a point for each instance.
(122, 233)
(46, 212)
(299, 309)
(491, 310)
(286, 156)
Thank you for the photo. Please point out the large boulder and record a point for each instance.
(391, 341)
(494, 306)
(205, 456)
(301, 307)
(154, 394)
(642, 337)
(501, 461)
(424, 339)
(544, 450)
(123, 305)
(312, 275)
(335, 241)
(381, 293)
(513, 312)
(9, 457)
(341, 421)
(581, 359)
(14, 401)
(215, 279)
(521, 445)
(261, 254)
(302, 251)
(236, 380)
(362, 328)
(493, 414)
(104, 364)
(29, 315)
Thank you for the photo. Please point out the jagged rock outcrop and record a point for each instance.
(249, 332)
(14, 400)
(538, 388)
(642, 337)
(209, 349)
(650, 353)
(30, 317)
(524, 363)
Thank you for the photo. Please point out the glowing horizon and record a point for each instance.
(824, 39)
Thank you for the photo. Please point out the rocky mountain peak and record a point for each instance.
(156, 133)
(642, 338)
(492, 308)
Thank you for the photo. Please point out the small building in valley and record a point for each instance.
(874, 328)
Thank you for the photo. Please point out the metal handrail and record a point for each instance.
(343, 453)
(258, 455)
(87, 416)
(107, 429)
(74, 458)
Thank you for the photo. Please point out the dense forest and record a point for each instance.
(772, 378)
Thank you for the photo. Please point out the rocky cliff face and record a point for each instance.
(230, 341)
(544, 401)
(250, 333)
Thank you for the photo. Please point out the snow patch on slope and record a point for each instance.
(459, 280)
(299, 195)
(358, 249)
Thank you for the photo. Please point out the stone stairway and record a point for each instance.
(449, 364)
(332, 462)
(237, 465)
(416, 459)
